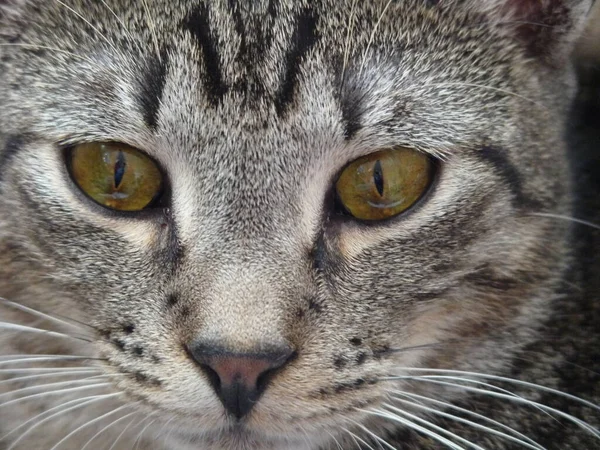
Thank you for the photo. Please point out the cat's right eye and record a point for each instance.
(115, 175)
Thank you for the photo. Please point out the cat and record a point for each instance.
(297, 225)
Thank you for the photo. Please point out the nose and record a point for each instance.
(239, 379)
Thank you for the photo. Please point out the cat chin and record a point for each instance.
(239, 438)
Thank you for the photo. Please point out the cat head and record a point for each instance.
(251, 287)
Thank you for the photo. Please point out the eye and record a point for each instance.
(384, 184)
(115, 175)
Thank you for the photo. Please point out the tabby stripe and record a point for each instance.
(13, 144)
(197, 23)
(151, 87)
(303, 39)
(497, 158)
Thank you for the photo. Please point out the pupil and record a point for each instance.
(119, 169)
(378, 177)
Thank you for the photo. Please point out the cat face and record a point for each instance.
(246, 305)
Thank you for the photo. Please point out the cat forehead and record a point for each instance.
(373, 71)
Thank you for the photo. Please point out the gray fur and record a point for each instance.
(249, 248)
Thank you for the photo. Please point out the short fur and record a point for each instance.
(252, 109)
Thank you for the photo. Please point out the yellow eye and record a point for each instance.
(115, 175)
(384, 184)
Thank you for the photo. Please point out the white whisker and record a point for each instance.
(118, 438)
(37, 313)
(26, 329)
(415, 426)
(141, 433)
(516, 399)
(47, 375)
(152, 27)
(114, 422)
(348, 40)
(123, 26)
(335, 440)
(355, 437)
(432, 426)
(89, 24)
(525, 441)
(87, 424)
(567, 218)
(373, 435)
(43, 386)
(57, 392)
(44, 358)
(48, 369)
(507, 380)
(80, 402)
(491, 88)
(372, 36)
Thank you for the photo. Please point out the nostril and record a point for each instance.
(239, 379)
(213, 377)
(263, 379)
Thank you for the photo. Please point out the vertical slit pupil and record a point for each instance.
(119, 169)
(378, 177)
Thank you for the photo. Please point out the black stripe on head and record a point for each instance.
(11, 147)
(303, 39)
(197, 23)
(152, 86)
(498, 160)
(351, 106)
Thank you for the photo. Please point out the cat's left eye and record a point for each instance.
(384, 184)
(115, 175)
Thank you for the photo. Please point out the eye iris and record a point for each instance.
(383, 184)
(115, 175)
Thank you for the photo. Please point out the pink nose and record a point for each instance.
(239, 379)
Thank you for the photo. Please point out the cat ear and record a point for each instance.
(548, 29)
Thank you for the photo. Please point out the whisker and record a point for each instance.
(372, 36)
(508, 380)
(567, 218)
(335, 440)
(152, 26)
(47, 375)
(352, 436)
(26, 329)
(47, 369)
(57, 392)
(516, 399)
(432, 425)
(355, 437)
(423, 346)
(482, 383)
(41, 386)
(527, 442)
(414, 426)
(114, 422)
(348, 42)
(491, 88)
(123, 26)
(125, 431)
(373, 435)
(87, 424)
(89, 24)
(48, 358)
(305, 436)
(37, 313)
(141, 433)
(80, 402)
